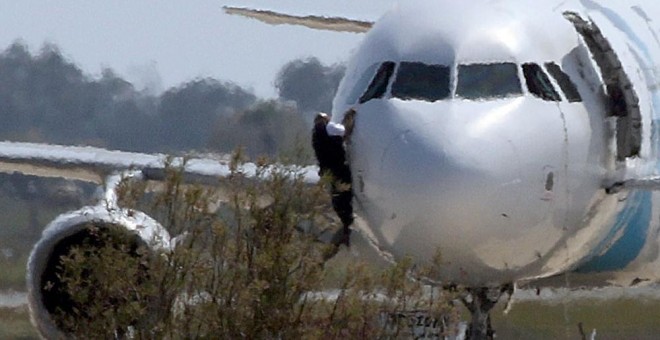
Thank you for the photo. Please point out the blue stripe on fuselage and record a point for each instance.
(632, 225)
(621, 24)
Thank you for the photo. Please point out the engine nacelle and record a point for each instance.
(71, 230)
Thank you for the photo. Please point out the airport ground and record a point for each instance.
(612, 319)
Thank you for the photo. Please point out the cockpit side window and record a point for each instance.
(539, 84)
(484, 81)
(567, 86)
(362, 84)
(378, 85)
(415, 80)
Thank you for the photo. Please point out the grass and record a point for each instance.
(616, 319)
(612, 319)
(13, 273)
(15, 324)
(12, 236)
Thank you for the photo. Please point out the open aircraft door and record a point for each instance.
(623, 101)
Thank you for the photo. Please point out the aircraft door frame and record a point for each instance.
(623, 101)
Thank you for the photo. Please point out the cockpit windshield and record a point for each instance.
(431, 82)
(415, 80)
(486, 81)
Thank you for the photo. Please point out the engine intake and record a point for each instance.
(81, 233)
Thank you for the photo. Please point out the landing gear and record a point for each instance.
(480, 301)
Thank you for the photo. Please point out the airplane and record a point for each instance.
(518, 142)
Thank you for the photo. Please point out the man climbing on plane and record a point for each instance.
(328, 143)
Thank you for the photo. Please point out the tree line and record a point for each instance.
(44, 97)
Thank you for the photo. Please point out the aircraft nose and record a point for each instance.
(498, 187)
(456, 181)
(463, 179)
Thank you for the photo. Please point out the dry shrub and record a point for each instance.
(243, 269)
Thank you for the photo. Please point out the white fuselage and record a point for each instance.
(467, 141)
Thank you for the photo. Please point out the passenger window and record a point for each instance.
(539, 84)
(415, 80)
(378, 85)
(567, 86)
(484, 81)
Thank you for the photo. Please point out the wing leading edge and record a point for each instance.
(92, 164)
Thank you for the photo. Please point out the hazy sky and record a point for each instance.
(162, 43)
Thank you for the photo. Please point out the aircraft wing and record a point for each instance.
(95, 164)
(315, 22)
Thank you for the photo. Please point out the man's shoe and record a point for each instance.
(342, 236)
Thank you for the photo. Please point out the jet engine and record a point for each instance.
(88, 227)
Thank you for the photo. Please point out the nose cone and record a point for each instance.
(457, 183)
(449, 187)
(448, 179)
